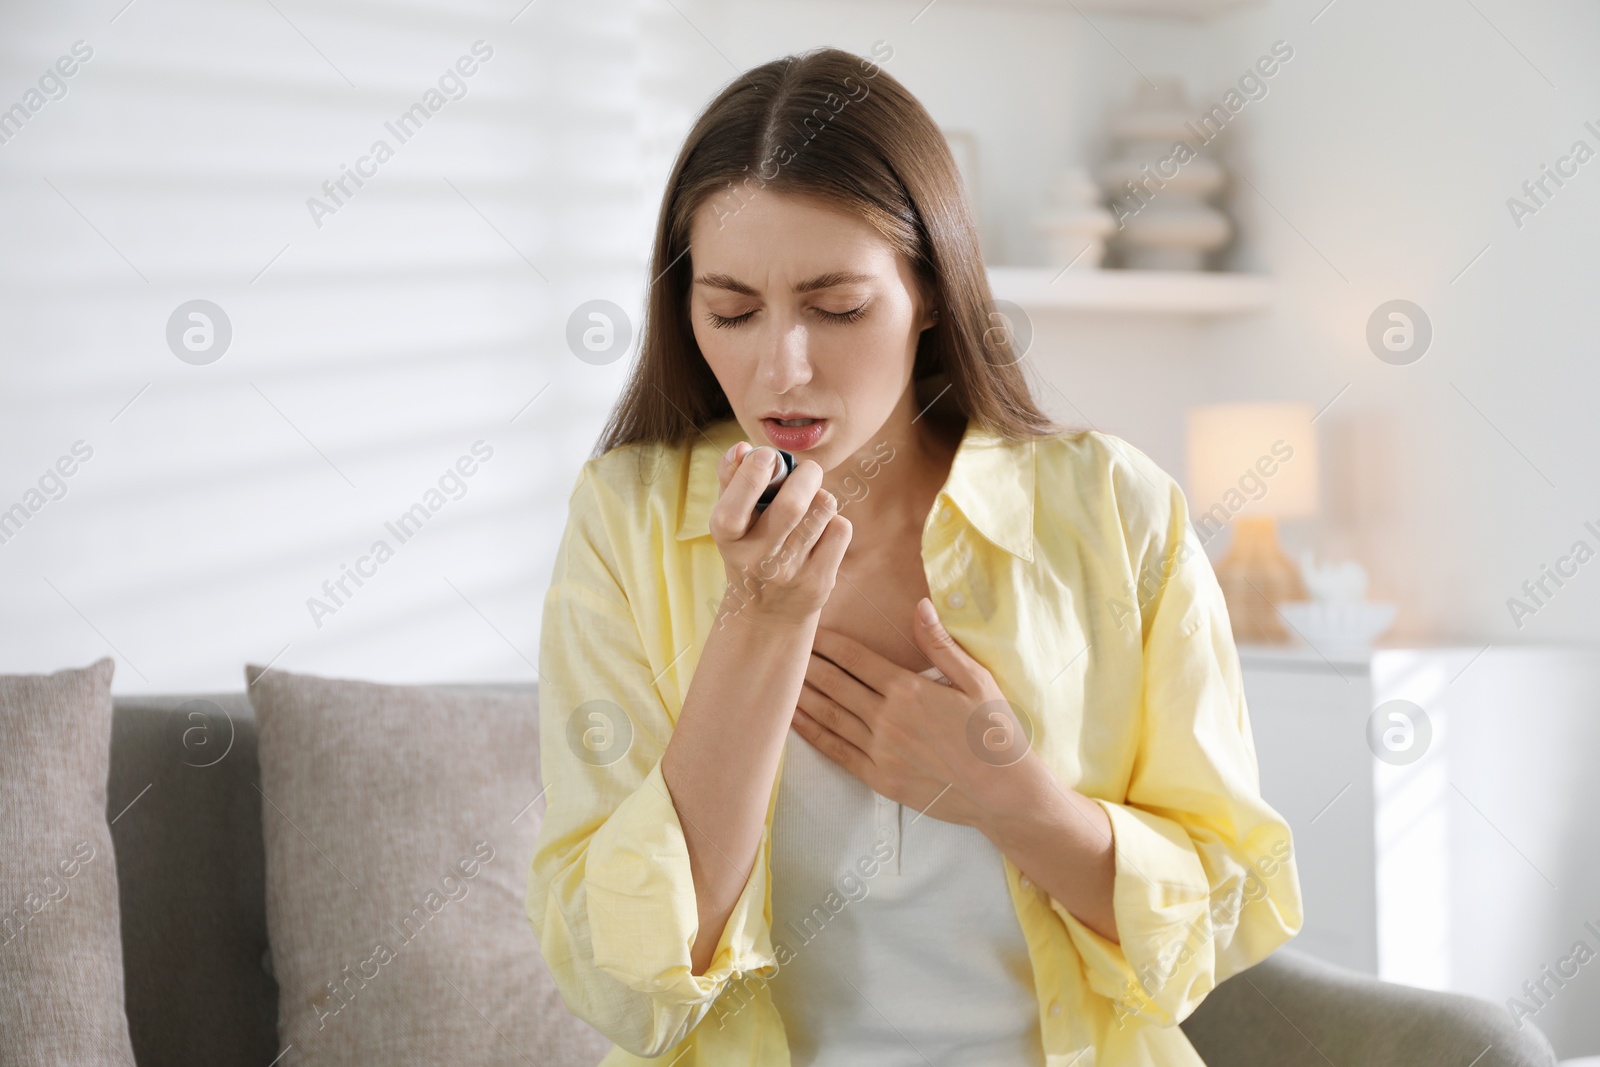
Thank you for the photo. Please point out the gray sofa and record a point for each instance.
(199, 989)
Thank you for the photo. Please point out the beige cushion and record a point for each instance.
(61, 991)
(399, 824)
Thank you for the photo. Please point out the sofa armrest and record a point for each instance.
(1292, 1009)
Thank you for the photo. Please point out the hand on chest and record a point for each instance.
(943, 747)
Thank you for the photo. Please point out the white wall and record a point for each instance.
(368, 354)
(1392, 143)
(374, 350)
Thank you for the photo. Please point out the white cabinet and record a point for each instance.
(1308, 717)
(1464, 858)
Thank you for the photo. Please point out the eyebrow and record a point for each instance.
(810, 285)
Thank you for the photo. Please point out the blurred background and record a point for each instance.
(243, 344)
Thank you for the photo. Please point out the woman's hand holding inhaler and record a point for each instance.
(782, 561)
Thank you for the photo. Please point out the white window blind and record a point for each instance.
(395, 206)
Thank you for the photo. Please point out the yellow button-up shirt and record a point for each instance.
(1067, 567)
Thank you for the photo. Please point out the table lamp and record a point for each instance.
(1251, 465)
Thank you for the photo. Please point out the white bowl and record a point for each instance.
(1339, 627)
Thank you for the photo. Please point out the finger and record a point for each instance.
(836, 748)
(794, 496)
(867, 666)
(811, 526)
(754, 470)
(730, 461)
(833, 542)
(842, 687)
(827, 712)
(733, 514)
(944, 650)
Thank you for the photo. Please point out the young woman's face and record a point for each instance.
(803, 309)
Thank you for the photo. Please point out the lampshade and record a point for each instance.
(1253, 460)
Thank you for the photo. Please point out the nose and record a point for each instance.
(785, 359)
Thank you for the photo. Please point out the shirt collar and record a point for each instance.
(991, 480)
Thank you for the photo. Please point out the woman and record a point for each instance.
(943, 756)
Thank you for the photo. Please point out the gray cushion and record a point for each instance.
(61, 973)
(400, 824)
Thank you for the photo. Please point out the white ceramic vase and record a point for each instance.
(1158, 195)
(1074, 224)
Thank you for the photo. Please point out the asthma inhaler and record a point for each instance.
(784, 469)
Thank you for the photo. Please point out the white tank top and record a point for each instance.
(915, 959)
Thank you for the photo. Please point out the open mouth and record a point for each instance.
(795, 435)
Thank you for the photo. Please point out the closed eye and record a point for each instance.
(722, 323)
(725, 323)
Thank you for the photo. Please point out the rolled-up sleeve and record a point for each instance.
(611, 894)
(1205, 884)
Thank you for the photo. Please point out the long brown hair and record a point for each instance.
(835, 126)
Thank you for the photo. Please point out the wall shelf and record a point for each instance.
(1203, 294)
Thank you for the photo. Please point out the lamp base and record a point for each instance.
(1254, 575)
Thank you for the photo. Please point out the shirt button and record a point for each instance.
(1026, 882)
(1055, 1007)
(955, 600)
(944, 513)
